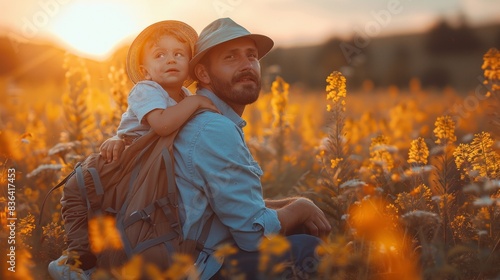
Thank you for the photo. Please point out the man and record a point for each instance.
(217, 178)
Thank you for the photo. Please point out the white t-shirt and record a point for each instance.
(144, 97)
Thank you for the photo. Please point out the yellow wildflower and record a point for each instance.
(444, 130)
(491, 67)
(478, 156)
(132, 269)
(336, 88)
(483, 157)
(103, 234)
(181, 267)
(380, 155)
(333, 253)
(25, 265)
(276, 245)
(225, 250)
(279, 89)
(461, 155)
(418, 152)
(335, 162)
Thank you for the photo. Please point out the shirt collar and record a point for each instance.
(225, 109)
(186, 91)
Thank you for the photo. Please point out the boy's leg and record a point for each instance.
(75, 215)
(302, 261)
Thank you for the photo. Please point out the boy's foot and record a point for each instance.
(59, 270)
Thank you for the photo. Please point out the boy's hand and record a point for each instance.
(204, 103)
(112, 149)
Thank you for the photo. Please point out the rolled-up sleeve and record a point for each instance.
(268, 221)
(230, 179)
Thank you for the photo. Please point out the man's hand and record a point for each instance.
(112, 149)
(303, 214)
(315, 220)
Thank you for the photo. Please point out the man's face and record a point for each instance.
(234, 72)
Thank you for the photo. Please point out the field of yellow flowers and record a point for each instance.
(409, 179)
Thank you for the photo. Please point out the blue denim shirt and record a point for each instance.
(216, 174)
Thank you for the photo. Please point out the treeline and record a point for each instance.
(445, 55)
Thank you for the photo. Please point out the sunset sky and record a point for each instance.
(94, 28)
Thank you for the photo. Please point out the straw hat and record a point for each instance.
(133, 57)
(223, 30)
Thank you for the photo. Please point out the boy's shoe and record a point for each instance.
(59, 270)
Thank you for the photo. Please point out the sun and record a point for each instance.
(94, 29)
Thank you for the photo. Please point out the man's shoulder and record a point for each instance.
(207, 121)
(209, 118)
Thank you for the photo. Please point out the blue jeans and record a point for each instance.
(301, 257)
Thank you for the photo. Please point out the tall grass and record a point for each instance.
(410, 192)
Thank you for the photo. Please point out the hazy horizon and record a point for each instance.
(96, 28)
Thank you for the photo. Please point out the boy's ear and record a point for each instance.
(144, 72)
(200, 71)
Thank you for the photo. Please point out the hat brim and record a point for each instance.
(263, 43)
(133, 61)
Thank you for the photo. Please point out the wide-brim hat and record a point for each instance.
(180, 28)
(223, 30)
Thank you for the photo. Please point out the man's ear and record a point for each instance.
(200, 71)
(144, 72)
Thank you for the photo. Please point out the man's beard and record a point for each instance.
(246, 94)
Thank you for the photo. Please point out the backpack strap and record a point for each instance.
(163, 203)
(127, 247)
(80, 181)
(145, 213)
(99, 189)
(81, 185)
(55, 188)
(167, 159)
(195, 247)
(155, 241)
(200, 244)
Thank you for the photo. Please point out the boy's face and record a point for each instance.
(166, 62)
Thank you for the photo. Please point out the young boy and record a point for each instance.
(158, 64)
(159, 76)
